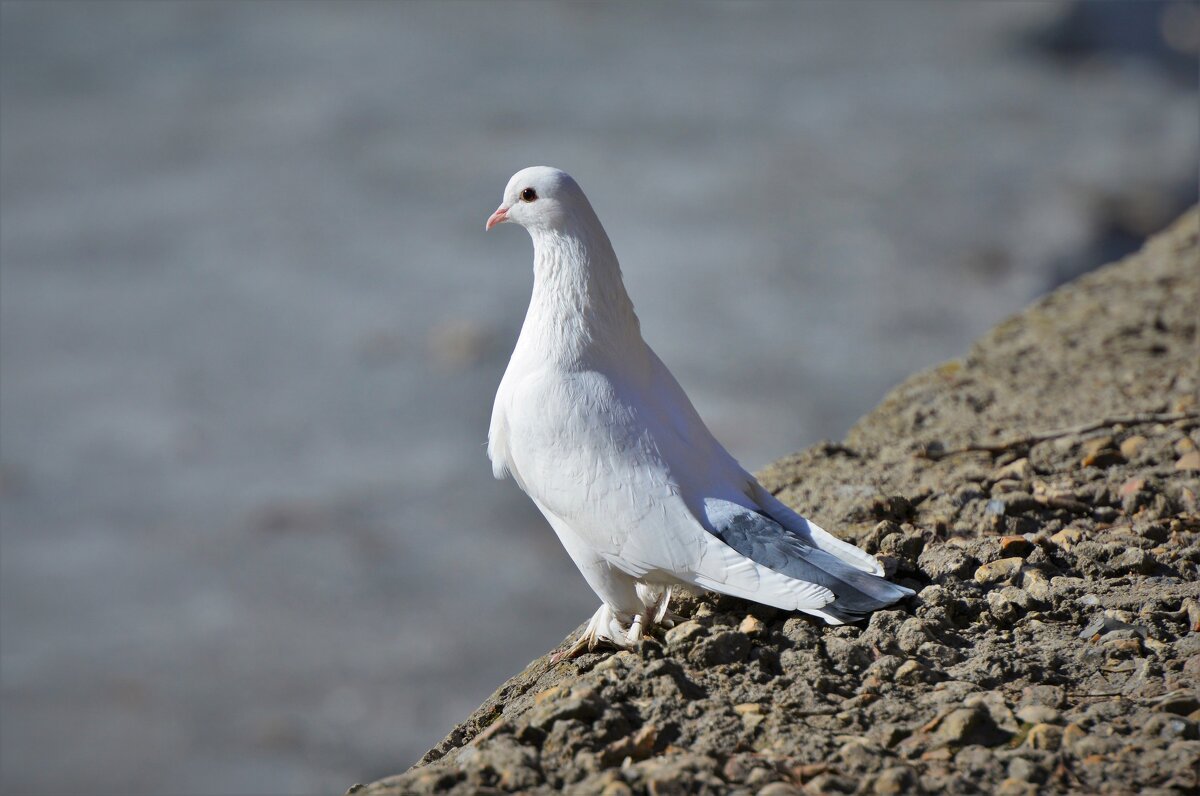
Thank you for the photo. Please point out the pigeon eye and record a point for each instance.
(528, 195)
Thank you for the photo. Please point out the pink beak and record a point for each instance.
(501, 214)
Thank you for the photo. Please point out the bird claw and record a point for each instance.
(605, 628)
(602, 628)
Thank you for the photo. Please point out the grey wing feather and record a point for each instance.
(760, 538)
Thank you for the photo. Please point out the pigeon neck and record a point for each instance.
(579, 307)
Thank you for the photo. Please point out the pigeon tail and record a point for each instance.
(766, 542)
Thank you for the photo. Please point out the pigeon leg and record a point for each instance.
(634, 636)
(602, 628)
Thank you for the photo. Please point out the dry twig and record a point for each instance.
(1029, 440)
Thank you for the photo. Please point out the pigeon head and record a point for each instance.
(541, 199)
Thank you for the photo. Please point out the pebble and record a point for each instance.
(1100, 452)
(1036, 583)
(968, 725)
(943, 561)
(1067, 538)
(1051, 696)
(1001, 569)
(581, 704)
(1180, 703)
(1015, 546)
(1132, 446)
(1016, 787)
(912, 634)
(1019, 470)
(996, 706)
(1133, 561)
(1038, 714)
(751, 625)
(683, 632)
(616, 661)
(830, 783)
(1046, 737)
(1072, 735)
(911, 671)
(1024, 769)
(1171, 727)
(897, 779)
(1189, 461)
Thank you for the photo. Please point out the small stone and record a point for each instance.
(616, 662)
(1015, 546)
(1045, 737)
(1036, 583)
(1016, 787)
(942, 561)
(1067, 538)
(888, 735)
(1002, 569)
(911, 671)
(1132, 486)
(830, 783)
(912, 634)
(968, 725)
(1038, 714)
(1100, 452)
(809, 770)
(1052, 696)
(1170, 727)
(637, 746)
(683, 633)
(1133, 561)
(1132, 446)
(1018, 470)
(616, 789)
(1072, 735)
(751, 625)
(940, 654)
(747, 707)
(780, 789)
(897, 779)
(1023, 769)
(581, 704)
(1181, 703)
(1189, 461)
(996, 706)
(859, 755)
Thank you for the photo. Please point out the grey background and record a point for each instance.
(251, 326)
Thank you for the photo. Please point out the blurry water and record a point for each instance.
(250, 323)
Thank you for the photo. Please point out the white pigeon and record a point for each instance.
(595, 429)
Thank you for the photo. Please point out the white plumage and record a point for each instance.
(595, 429)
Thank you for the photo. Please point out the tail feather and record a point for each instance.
(814, 534)
(764, 541)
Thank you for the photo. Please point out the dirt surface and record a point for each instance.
(1053, 645)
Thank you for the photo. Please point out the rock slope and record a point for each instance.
(1041, 495)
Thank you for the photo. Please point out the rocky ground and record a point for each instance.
(1041, 497)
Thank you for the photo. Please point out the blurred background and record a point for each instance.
(251, 325)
